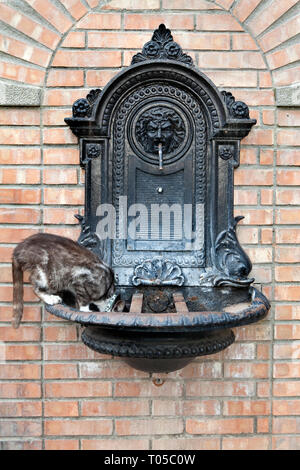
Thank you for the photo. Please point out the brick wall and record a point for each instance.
(57, 394)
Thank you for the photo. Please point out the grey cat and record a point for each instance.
(59, 268)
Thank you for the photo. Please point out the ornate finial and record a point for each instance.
(237, 109)
(163, 47)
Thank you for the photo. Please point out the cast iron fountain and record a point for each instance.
(160, 136)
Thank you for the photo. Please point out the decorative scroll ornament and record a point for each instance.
(231, 264)
(158, 272)
(83, 107)
(237, 109)
(89, 239)
(162, 46)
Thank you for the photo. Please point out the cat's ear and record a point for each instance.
(110, 291)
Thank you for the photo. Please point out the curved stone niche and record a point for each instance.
(161, 133)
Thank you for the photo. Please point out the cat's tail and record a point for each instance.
(17, 274)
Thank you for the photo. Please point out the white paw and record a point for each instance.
(52, 299)
(85, 308)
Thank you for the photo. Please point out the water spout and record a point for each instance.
(160, 155)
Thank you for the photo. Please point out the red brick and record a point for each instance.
(52, 14)
(20, 390)
(269, 117)
(287, 76)
(77, 389)
(286, 407)
(280, 34)
(248, 156)
(287, 312)
(147, 389)
(101, 21)
(265, 79)
(87, 58)
(235, 60)
(193, 407)
(60, 333)
(247, 408)
(29, 27)
(244, 8)
(20, 371)
(19, 176)
(13, 116)
(221, 389)
(54, 156)
(26, 333)
(287, 351)
(202, 369)
(60, 176)
(266, 235)
(20, 216)
(20, 428)
(219, 426)
(243, 42)
(260, 137)
(285, 443)
(58, 77)
(20, 156)
(115, 408)
(75, 8)
(286, 425)
(109, 369)
(256, 216)
(16, 136)
(55, 117)
(15, 235)
(115, 444)
(245, 443)
(53, 215)
(266, 157)
(287, 274)
(151, 426)
(99, 77)
(31, 313)
(248, 235)
(220, 22)
(246, 177)
(74, 39)
(287, 370)
(263, 425)
(24, 353)
(203, 41)
(61, 408)
(287, 216)
(63, 196)
(244, 370)
(289, 117)
(58, 135)
(199, 443)
(283, 57)
(191, 5)
(291, 293)
(288, 157)
(233, 78)
(61, 444)
(22, 73)
(60, 371)
(25, 51)
(261, 22)
(285, 254)
(78, 427)
(288, 137)
(20, 409)
(150, 21)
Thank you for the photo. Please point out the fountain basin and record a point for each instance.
(168, 341)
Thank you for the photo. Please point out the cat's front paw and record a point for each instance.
(52, 299)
